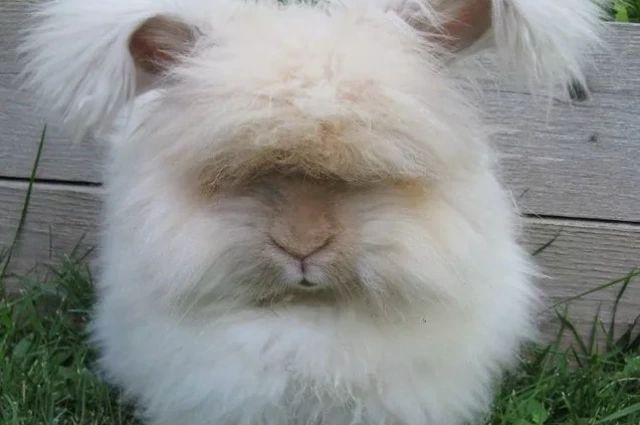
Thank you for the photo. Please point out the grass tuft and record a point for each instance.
(46, 366)
(626, 11)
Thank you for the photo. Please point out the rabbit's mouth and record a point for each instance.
(307, 284)
(314, 295)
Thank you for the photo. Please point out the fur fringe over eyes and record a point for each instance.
(79, 64)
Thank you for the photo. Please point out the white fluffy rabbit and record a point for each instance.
(303, 223)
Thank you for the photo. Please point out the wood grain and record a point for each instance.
(583, 255)
(576, 160)
(12, 19)
(20, 132)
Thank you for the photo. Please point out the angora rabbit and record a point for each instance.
(303, 223)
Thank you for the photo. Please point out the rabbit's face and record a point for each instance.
(312, 240)
(283, 238)
(309, 152)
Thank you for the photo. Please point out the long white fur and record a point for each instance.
(89, 80)
(176, 330)
(549, 42)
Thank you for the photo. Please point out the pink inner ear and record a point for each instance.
(159, 43)
(471, 21)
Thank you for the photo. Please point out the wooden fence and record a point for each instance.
(575, 172)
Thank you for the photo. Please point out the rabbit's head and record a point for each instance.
(305, 152)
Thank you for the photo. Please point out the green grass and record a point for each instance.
(626, 11)
(46, 367)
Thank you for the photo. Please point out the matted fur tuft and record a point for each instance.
(303, 220)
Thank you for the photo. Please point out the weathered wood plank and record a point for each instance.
(20, 132)
(576, 160)
(12, 18)
(60, 218)
(583, 256)
(21, 126)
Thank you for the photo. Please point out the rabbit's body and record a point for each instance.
(303, 220)
(314, 360)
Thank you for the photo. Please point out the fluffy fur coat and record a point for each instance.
(303, 222)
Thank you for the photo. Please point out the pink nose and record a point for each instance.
(301, 248)
(302, 229)
(305, 221)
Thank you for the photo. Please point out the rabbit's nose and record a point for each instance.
(300, 247)
(302, 233)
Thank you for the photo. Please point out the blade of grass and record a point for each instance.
(546, 245)
(568, 325)
(619, 414)
(629, 276)
(623, 289)
(625, 343)
(25, 207)
(593, 334)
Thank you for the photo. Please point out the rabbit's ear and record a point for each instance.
(546, 42)
(84, 61)
(159, 43)
(463, 23)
